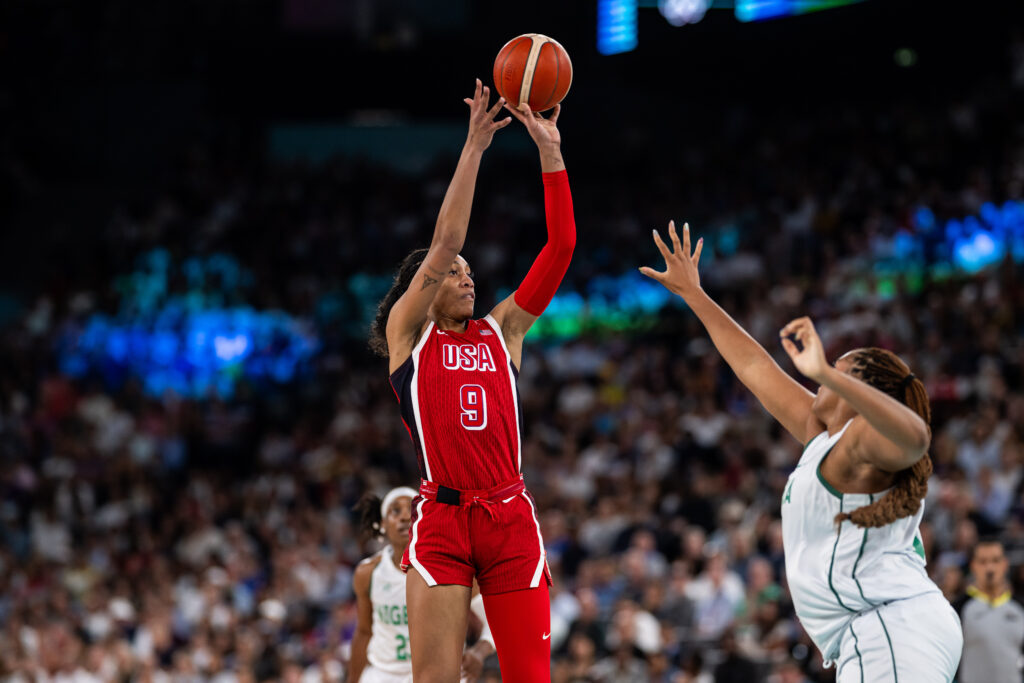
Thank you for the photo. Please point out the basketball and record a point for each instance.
(534, 69)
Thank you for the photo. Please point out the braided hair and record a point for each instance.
(370, 521)
(403, 278)
(884, 371)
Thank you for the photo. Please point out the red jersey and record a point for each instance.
(460, 403)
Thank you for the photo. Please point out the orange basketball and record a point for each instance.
(534, 69)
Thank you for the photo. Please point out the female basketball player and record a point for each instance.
(380, 647)
(455, 379)
(851, 509)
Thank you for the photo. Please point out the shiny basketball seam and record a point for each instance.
(531, 66)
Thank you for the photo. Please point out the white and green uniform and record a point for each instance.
(388, 650)
(863, 595)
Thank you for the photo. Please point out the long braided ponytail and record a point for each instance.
(886, 372)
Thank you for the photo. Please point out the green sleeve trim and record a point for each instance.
(828, 487)
(892, 654)
(832, 564)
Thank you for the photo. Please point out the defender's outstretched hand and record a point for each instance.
(680, 275)
(481, 118)
(810, 359)
(543, 131)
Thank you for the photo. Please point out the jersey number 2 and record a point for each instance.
(473, 402)
(402, 650)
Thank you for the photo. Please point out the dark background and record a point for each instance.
(102, 99)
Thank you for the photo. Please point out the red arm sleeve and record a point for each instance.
(548, 269)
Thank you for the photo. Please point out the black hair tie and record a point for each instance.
(906, 381)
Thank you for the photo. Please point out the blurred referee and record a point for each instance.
(992, 619)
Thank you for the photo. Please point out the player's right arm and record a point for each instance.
(364, 619)
(780, 394)
(409, 313)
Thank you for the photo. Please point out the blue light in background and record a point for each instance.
(188, 342)
(616, 26)
(632, 301)
(760, 10)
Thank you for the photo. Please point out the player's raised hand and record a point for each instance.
(809, 357)
(544, 131)
(680, 275)
(481, 117)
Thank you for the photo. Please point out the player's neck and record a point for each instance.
(450, 324)
(837, 418)
(396, 555)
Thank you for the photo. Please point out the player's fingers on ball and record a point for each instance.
(554, 115)
(515, 112)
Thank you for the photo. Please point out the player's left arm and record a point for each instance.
(364, 617)
(891, 436)
(517, 313)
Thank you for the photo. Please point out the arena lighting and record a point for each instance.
(617, 19)
(759, 10)
(926, 248)
(616, 26)
(183, 327)
(682, 12)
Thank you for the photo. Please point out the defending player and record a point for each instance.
(455, 379)
(851, 509)
(380, 647)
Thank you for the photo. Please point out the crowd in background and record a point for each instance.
(170, 538)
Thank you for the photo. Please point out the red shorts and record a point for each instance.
(492, 535)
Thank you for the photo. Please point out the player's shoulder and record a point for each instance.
(364, 570)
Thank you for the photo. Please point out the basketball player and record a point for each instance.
(455, 379)
(380, 647)
(851, 509)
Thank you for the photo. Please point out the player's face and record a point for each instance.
(989, 565)
(396, 524)
(826, 401)
(457, 295)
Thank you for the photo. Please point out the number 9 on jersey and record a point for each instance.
(473, 402)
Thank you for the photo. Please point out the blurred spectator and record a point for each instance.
(992, 619)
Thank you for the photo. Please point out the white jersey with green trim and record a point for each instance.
(388, 650)
(836, 571)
